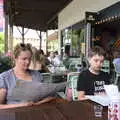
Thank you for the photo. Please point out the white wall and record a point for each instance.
(75, 11)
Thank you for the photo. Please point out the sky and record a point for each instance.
(29, 33)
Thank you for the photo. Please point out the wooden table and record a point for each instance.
(57, 109)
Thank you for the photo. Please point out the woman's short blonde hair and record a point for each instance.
(21, 47)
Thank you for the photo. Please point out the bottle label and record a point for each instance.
(114, 110)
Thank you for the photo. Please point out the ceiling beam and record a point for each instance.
(34, 13)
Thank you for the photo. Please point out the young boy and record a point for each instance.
(91, 81)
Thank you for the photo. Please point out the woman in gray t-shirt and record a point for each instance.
(21, 85)
(8, 79)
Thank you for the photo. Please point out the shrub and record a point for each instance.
(5, 63)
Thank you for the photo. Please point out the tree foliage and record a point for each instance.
(2, 42)
(5, 63)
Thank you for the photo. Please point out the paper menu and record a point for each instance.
(100, 99)
(111, 92)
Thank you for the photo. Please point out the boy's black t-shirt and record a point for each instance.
(91, 83)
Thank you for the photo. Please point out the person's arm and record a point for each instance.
(2, 95)
(81, 84)
(81, 95)
(7, 106)
(45, 100)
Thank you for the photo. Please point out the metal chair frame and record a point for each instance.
(106, 66)
(117, 73)
(47, 78)
(72, 85)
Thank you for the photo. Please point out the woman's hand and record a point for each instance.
(29, 103)
(8, 106)
(2, 95)
(45, 100)
(81, 95)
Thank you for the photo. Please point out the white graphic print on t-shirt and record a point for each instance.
(99, 87)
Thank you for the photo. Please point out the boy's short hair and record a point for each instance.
(97, 50)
